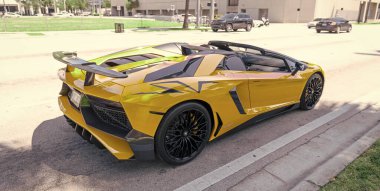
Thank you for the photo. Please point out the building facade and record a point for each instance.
(282, 11)
(294, 11)
(9, 6)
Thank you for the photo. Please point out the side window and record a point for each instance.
(266, 64)
(234, 63)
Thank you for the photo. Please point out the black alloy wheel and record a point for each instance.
(312, 92)
(183, 133)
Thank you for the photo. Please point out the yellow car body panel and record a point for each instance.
(146, 103)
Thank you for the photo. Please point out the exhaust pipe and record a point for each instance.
(96, 142)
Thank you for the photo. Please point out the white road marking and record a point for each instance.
(234, 166)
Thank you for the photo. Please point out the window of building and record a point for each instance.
(233, 2)
(243, 10)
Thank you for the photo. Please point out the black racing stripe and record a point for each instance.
(170, 90)
(220, 124)
(236, 100)
(156, 113)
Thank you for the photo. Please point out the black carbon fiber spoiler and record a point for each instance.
(91, 68)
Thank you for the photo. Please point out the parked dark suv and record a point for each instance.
(232, 21)
(335, 24)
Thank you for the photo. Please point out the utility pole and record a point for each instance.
(367, 13)
(198, 13)
(212, 16)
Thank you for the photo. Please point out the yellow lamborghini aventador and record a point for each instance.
(169, 100)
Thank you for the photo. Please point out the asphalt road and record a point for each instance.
(39, 151)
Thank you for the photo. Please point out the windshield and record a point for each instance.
(228, 16)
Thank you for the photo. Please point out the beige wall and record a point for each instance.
(286, 10)
(281, 10)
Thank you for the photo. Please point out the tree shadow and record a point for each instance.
(369, 54)
(59, 155)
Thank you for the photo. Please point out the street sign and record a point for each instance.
(95, 2)
(172, 7)
(118, 8)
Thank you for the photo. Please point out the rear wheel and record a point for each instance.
(183, 133)
(312, 92)
(235, 30)
(318, 31)
(215, 30)
(229, 27)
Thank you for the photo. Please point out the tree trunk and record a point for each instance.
(186, 18)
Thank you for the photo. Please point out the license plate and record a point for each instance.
(75, 98)
(324, 25)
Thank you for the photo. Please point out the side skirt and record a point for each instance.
(260, 118)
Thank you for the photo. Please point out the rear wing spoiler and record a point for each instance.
(91, 68)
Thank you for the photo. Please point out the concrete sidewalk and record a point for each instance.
(315, 163)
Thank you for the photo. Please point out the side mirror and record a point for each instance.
(299, 67)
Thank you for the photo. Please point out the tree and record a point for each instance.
(186, 19)
(106, 4)
(132, 4)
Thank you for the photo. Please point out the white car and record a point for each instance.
(180, 18)
(313, 23)
(63, 14)
(11, 15)
(258, 23)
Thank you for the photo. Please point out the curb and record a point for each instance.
(331, 168)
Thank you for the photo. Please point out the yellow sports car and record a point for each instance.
(168, 101)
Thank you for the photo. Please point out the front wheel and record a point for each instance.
(215, 30)
(183, 133)
(312, 92)
(349, 29)
(229, 27)
(318, 31)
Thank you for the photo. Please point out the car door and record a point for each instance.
(273, 87)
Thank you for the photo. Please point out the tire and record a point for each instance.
(235, 30)
(248, 27)
(349, 29)
(318, 31)
(229, 27)
(337, 30)
(183, 133)
(312, 92)
(215, 30)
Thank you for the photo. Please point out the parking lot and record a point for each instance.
(39, 151)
